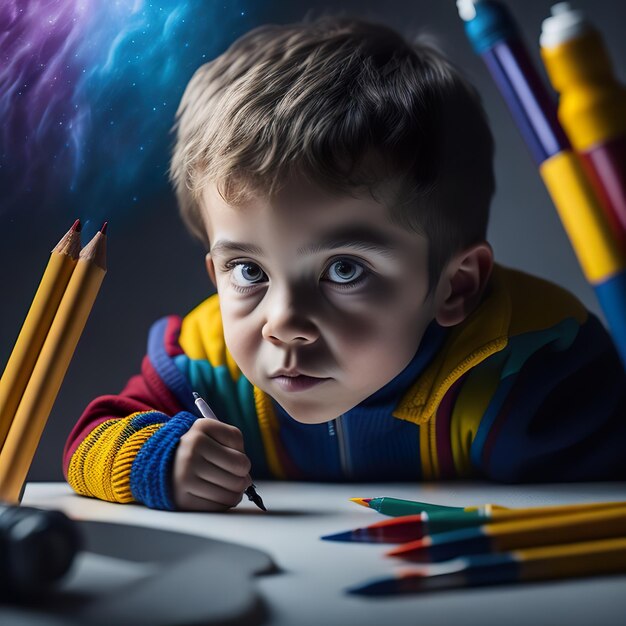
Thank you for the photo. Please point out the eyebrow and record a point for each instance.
(223, 246)
(358, 238)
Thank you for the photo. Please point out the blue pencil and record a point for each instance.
(607, 556)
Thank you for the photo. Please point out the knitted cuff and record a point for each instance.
(100, 465)
(150, 475)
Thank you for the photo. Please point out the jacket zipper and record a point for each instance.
(342, 443)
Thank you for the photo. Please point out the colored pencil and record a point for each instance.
(20, 365)
(207, 412)
(606, 556)
(45, 381)
(412, 527)
(494, 35)
(395, 506)
(514, 535)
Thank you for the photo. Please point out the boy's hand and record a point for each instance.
(211, 470)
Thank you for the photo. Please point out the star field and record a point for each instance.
(88, 94)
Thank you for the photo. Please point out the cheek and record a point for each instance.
(240, 334)
(376, 341)
(379, 339)
(387, 314)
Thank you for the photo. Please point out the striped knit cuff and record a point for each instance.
(100, 465)
(150, 475)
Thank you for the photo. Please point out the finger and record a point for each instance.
(190, 502)
(211, 492)
(227, 435)
(231, 461)
(215, 474)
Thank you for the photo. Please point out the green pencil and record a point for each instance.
(404, 528)
(395, 507)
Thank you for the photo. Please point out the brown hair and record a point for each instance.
(349, 105)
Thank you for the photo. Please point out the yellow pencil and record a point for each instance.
(515, 535)
(43, 386)
(36, 325)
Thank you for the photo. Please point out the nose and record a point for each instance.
(288, 321)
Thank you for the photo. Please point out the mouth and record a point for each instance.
(297, 382)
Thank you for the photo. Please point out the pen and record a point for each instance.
(206, 411)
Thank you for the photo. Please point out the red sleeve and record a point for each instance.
(143, 392)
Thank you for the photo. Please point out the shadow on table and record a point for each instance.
(137, 575)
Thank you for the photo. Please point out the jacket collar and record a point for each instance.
(482, 334)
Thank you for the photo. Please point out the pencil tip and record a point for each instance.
(344, 536)
(196, 395)
(103, 230)
(258, 500)
(379, 587)
(76, 226)
(361, 501)
(253, 496)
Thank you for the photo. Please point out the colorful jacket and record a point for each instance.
(528, 388)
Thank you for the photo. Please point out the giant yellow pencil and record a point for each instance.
(36, 325)
(45, 381)
(592, 104)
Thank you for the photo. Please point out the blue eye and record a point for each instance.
(344, 271)
(245, 274)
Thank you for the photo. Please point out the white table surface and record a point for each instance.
(314, 573)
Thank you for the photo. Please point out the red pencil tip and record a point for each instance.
(103, 230)
(76, 226)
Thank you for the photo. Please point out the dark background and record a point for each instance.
(155, 268)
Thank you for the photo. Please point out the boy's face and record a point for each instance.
(323, 299)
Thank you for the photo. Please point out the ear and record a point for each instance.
(210, 268)
(462, 284)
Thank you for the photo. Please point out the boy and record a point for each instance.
(341, 180)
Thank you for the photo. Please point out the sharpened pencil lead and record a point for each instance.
(103, 230)
(76, 226)
(361, 501)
